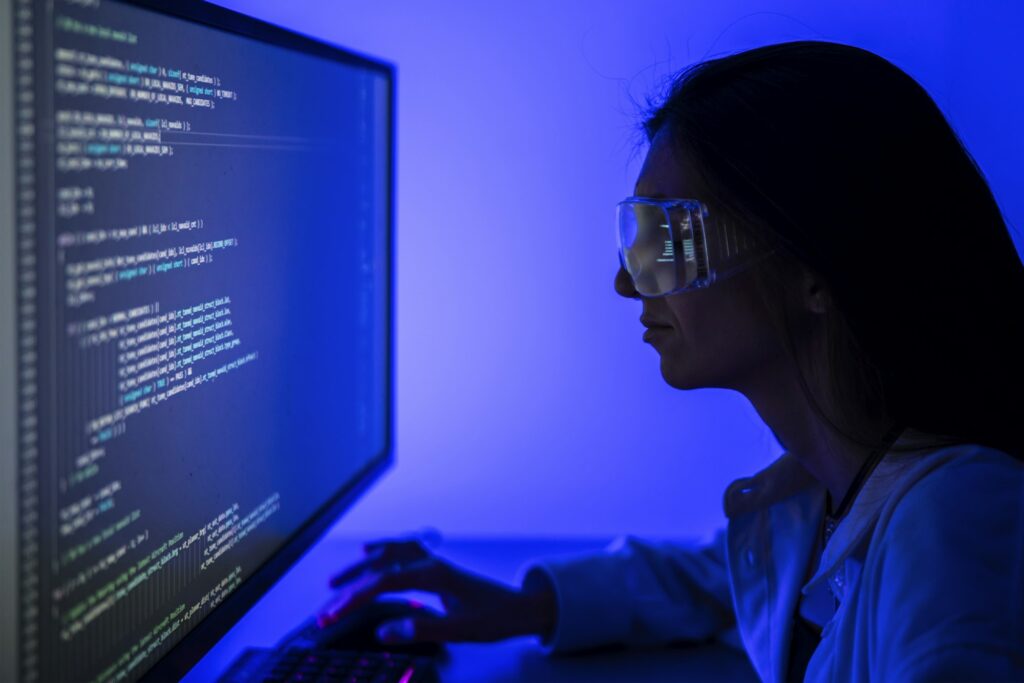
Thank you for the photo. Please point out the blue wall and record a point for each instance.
(527, 403)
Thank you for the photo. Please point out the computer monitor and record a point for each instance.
(195, 317)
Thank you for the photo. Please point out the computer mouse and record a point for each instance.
(358, 630)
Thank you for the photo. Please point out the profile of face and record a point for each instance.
(719, 336)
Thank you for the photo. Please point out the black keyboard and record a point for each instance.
(329, 666)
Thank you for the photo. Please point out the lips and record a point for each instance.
(651, 334)
(652, 324)
(655, 328)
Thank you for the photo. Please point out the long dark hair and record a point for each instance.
(846, 163)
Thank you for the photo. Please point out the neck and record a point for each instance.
(828, 456)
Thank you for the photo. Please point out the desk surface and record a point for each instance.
(304, 589)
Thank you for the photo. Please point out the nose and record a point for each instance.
(624, 284)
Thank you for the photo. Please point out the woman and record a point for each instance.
(808, 231)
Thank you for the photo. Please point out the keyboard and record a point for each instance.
(329, 666)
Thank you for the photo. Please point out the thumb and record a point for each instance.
(426, 628)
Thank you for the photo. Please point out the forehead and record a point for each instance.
(665, 172)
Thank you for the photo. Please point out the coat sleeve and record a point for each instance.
(950, 596)
(638, 593)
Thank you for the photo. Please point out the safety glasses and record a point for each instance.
(673, 245)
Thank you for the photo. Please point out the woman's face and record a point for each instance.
(713, 337)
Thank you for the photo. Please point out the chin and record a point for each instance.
(678, 378)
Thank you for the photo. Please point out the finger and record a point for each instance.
(430, 575)
(397, 547)
(397, 631)
(402, 551)
(339, 606)
(434, 629)
(380, 554)
(371, 561)
(427, 536)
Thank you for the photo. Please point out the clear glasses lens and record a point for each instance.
(646, 247)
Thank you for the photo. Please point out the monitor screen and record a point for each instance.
(196, 320)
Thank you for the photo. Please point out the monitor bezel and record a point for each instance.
(9, 445)
(204, 635)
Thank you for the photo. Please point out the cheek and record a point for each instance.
(716, 342)
(695, 315)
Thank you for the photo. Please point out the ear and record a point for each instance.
(814, 293)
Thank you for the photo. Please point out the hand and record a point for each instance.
(476, 608)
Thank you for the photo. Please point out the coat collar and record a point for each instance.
(787, 477)
(783, 478)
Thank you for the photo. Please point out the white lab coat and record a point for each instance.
(927, 567)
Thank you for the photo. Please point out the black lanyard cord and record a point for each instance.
(832, 518)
